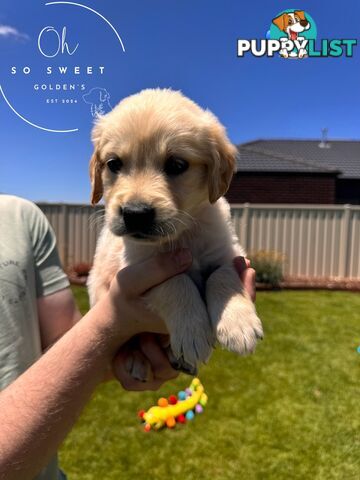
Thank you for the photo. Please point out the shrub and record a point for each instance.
(269, 267)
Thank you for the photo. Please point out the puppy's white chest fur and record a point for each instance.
(212, 242)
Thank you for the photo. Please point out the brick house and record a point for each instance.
(297, 171)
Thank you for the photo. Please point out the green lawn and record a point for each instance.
(291, 411)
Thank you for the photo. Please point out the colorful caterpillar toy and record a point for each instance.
(175, 409)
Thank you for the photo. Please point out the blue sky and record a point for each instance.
(184, 45)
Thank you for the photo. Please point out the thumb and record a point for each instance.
(135, 280)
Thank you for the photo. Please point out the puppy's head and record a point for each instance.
(158, 159)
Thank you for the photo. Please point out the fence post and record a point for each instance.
(244, 230)
(64, 228)
(344, 241)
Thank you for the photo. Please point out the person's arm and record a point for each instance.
(39, 408)
(57, 314)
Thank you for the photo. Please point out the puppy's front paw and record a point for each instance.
(178, 302)
(180, 364)
(239, 327)
(192, 344)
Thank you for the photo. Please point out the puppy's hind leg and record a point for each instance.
(232, 313)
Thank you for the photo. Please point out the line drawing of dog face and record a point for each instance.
(292, 23)
(158, 159)
(98, 98)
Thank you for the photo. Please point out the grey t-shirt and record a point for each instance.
(29, 268)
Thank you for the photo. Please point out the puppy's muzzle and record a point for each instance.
(139, 218)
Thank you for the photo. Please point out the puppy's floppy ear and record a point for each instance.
(96, 166)
(103, 95)
(300, 14)
(222, 164)
(96, 180)
(280, 21)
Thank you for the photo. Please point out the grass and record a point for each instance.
(291, 411)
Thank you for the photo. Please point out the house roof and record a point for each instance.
(301, 156)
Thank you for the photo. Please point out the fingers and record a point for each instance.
(137, 279)
(248, 280)
(159, 362)
(241, 264)
(247, 275)
(122, 372)
(163, 340)
(150, 359)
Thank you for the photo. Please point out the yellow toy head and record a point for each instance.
(154, 421)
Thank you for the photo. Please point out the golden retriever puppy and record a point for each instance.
(162, 165)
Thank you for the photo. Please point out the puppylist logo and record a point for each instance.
(56, 81)
(293, 34)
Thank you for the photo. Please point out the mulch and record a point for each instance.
(76, 279)
(308, 283)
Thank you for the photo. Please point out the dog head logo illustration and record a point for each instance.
(292, 23)
(98, 98)
(294, 26)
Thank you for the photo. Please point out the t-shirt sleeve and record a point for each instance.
(49, 274)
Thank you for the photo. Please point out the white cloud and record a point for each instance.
(7, 31)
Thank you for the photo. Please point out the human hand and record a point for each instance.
(125, 304)
(148, 351)
(247, 275)
(130, 316)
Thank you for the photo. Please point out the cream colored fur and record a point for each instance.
(208, 302)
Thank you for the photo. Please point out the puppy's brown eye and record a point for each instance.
(114, 164)
(175, 166)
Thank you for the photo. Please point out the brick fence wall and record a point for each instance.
(282, 188)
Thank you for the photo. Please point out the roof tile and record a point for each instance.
(301, 156)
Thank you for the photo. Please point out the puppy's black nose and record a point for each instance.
(304, 23)
(138, 217)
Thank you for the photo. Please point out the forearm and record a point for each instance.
(41, 406)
